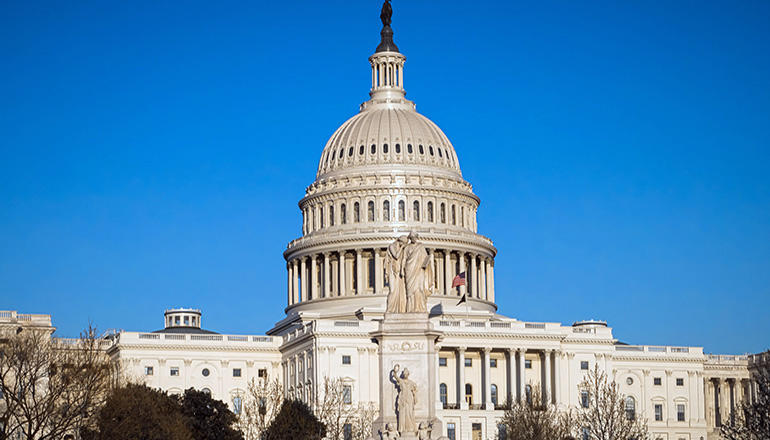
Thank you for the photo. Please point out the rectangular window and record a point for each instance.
(584, 365)
(584, 399)
(347, 431)
(493, 363)
(450, 431)
(347, 394)
(148, 371)
(680, 413)
(527, 363)
(658, 413)
(345, 360)
(442, 362)
(657, 381)
(262, 372)
(586, 433)
(237, 404)
(679, 381)
(174, 371)
(468, 362)
(236, 372)
(186, 320)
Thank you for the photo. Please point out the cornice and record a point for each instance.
(659, 359)
(121, 346)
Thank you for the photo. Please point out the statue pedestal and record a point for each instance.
(408, 340)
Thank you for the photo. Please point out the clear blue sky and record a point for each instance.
(152, 154)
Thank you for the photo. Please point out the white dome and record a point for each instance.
(387, 135)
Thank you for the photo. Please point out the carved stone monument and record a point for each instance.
(407, 347)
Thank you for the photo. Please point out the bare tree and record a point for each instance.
(752, 420)
(261, 404)
(603, 412)
(50, 387)
(335, 408)
(533, 420)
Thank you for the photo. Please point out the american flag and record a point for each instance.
(459, 280)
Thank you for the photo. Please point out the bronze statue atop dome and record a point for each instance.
(387, 12)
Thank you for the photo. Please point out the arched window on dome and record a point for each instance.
(313, 223)
(409, 148)
(462, 216)
(386, 210)
(630, 408)
(356, 212)
(430, 212)
(442, 213)
(331, 215)
(343, 214)
(370, 211)
(398, 148)
(454, 216)
(416, 211)
(322, 217)
(385, 148)
(401, 211)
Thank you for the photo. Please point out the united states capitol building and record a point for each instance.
(385, 173)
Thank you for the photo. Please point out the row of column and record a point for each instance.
(326, 275)
(727, 395)
(516, 380)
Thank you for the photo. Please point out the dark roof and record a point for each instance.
(186, 330)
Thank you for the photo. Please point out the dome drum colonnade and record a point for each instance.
(385, 172)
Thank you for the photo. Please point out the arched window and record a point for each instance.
(343, 214)
(469, 393)
(454, 216)
(584, 399)
(416, 211)
(442, 394)
(442, 213)
(430, 212)
(493, 394)
(206, 391)
(313, 223)
(237, 404)
(370, 211)
(462, 216)
(322, 217)
(356, 213)
(331, 215)
(401, 211)
(386, 211)
(630, 408)
(528, 394)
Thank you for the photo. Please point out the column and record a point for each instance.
(483, 279)
(312, 279)
(701, 397)
(461, 378)
(473, 280)
(717, 411)
(360, 288)
(487, 379)
(511, 374)
(303, 279)
(547, 376)
(341, 282)
(557, 377)
(432, 262)
(447, 273)
(288, 284)
(731, 390)
(295, 282)
(439, 405)
(326, 274)
(522, 375)
(378, 285)
(491, 281)
(463, 288)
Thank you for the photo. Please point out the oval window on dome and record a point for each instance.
(385, 148)
(374, 148)
(409, 148)
(342, 151)
(430, 150)
(331, 156)
(361, 150)
(439, 153)
(422, 150)
(398, 148)
(350, 152)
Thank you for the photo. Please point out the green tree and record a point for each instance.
(209, 419)
(137, 412)
(295, 421)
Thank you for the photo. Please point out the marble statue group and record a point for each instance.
(410, 275)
